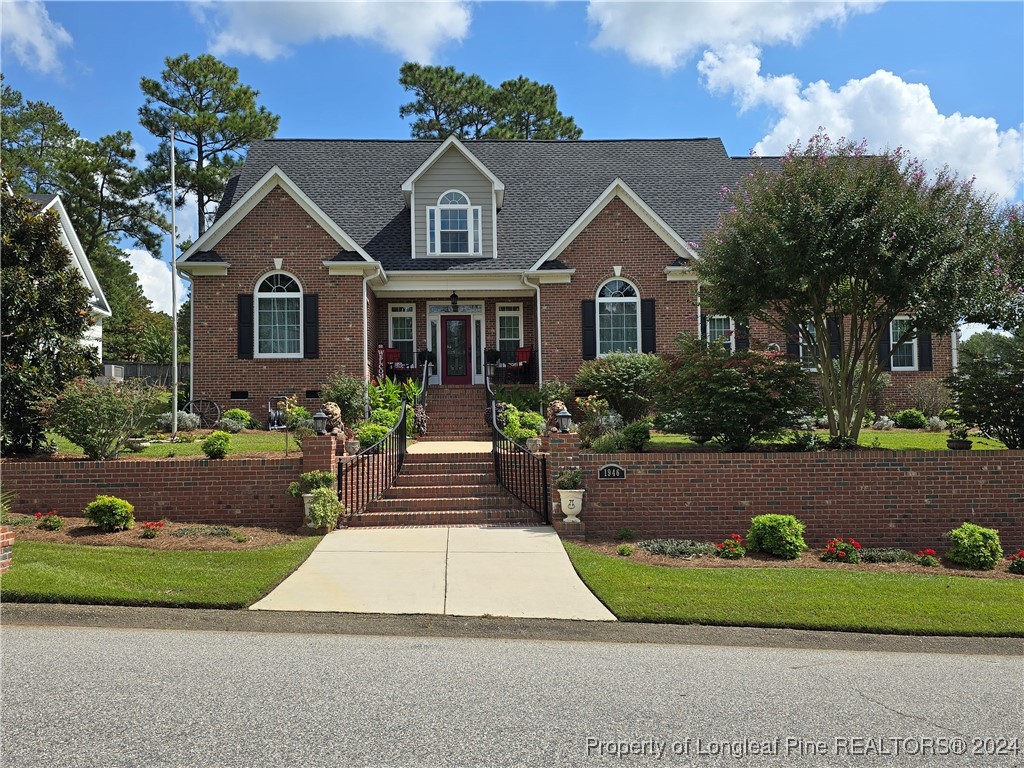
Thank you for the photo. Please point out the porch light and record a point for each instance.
(454, 298)
(564, 417)
(320, 423)
(491, 370)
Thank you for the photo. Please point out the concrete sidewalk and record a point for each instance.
(461, 571)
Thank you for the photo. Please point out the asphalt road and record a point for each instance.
(83, 696)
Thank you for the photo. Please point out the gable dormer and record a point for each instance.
(453, 200)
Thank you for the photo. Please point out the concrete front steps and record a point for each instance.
(456, 413)
(446, 489)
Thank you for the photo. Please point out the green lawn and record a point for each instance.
(893, 440)
(243, 442)
(840, 599)
(68, 573)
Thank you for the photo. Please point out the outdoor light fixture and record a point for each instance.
(563, 417)
(454, 298)
(320, 423)
(491, 369)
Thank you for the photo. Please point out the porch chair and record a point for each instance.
(393, 365)
(519, 371)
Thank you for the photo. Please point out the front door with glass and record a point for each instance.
(456, 350)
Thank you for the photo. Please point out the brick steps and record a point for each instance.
(507, 517)
(457, 413)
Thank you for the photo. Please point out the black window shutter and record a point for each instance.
(703, 326)
(742, 326)
(885, 348)
(648, 334)
(924, 352)
(793, 342)
(245, 329)
(589, 326)
(833, 337)
(311, 326)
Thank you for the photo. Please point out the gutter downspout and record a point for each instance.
(540, 356)
(366, 319)
(956, 348)
(191, 331)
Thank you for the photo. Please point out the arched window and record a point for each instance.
(618, 318)
(453, 226)
(279, 316)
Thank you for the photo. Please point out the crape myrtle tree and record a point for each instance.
(44, 313)
(835, 238)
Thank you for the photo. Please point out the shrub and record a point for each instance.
(975, 546)
(386, 394)
(325, 509)
(230, 425)
(369, 433)
(607, 443)
(216, 445)
(310, 481)
(110, 513)
(1017, 563)
(935, 424)
(678, 547)
(100, 414)
(910, 418)
(532, 421)
(885, 555)
(735, 398)
(51, 521)
(884, 424)
(625, 550)
(349, 393)
(779, 535)
(840, 550)
(930, 396)
(598, 419)
(384, 417)
(553, 390)
(627, 381)
(989, 393)
(732, 548)
(626, 534)
(950, 414)
(927, 558)
(635, 436)
(242, 416)
(186, 421)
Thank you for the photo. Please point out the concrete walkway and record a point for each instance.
(460, 571)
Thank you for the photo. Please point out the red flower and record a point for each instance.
(841, 553)
(39, 514)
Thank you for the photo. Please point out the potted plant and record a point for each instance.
(569, 484)
(351, 442)
(307, 483)
(958, 436)
(325, 510)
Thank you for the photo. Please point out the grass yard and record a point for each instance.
(255, 441)
(68, 573)
(804, 598)
(893, 440)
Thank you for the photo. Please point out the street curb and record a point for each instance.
(282, 622)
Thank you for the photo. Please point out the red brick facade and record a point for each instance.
(882, 498)
(6, 547)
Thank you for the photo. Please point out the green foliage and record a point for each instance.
(325, 509)
(369, 433)
(348, 393)
(1016, 563)
(386, 394)
(531, 421)
(216, 445)
(734, 397)
(840, 550)
(627, 381)
(678, 547)
(609, 442)
(598, 419)
(6, 502)
(569, 479)
(310, 481)
(109, 513)
(626, 534)
(975, 546)
(553, 390)
(101, 414)
(635, 436)
(451, 102)
(51, 521)
(186, 421)
(885, 555)
(132, 311)
(33, 139)
(44, 313)
(779, 535)
(524, 399)
(910, 418)
(384, 417)
(242, 416)
(989, 393)
(518, 425)
(833, 235)
(230, 426)
(927, 558)
(625, 550)
(732, 548)
(215, 118)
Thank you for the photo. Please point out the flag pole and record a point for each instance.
(174, 301)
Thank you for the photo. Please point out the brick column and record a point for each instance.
(6, 547)
(563, 452)
(320, 452)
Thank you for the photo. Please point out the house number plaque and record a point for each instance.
(611, 472)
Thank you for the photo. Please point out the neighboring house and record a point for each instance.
(324, 250)
(98, 305)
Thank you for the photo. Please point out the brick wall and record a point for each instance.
(882, 498)
(222, 492)
(6, 547)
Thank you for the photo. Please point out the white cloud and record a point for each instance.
(666, 35)
(414, 30)
(32, 36)
(155, 279)
(882, 108)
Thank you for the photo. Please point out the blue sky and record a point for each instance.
(943, 79)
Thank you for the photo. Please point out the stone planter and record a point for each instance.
(959, 445)
(307, 499)
(351, 447)
(571, 501)
(534, 444)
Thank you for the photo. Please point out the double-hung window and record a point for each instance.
(279, 316)
(618, 318)
(904, 355)
(453, 226)
(510, 331)
(809, 347)
(402, 331)
(721, 328)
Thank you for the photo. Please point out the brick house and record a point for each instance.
(325, 252)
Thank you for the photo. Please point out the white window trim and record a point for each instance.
(616, 300)
(474, 223)
(256, 319)
(893, 345)
(500, 313)
(731, 338)
(391, 329)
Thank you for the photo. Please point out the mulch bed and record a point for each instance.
(78, 530)
(809, 559)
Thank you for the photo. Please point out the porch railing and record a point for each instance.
(373, 470)
(521, 472)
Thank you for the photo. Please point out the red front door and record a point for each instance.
(456, 357)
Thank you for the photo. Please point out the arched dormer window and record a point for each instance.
(453, 226)
(618, 317)
(278, 316)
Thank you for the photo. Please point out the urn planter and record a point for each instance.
(571, 501)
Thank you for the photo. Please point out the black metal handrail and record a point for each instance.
(421, 398)
(521, 472)
(373, 470)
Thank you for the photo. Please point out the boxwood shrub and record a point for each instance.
(110, 513)
(779, 535)
(975, 547)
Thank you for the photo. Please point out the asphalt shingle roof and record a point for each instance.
(548, 186)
